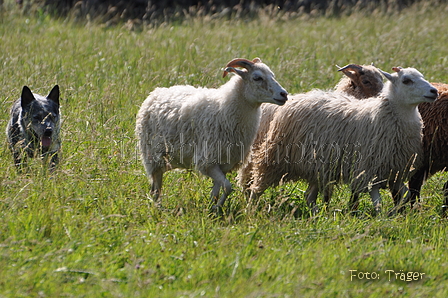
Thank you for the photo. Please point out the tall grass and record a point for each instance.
(90, 230)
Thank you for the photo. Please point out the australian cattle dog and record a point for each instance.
(33, 130)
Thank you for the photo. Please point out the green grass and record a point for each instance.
(90, 230)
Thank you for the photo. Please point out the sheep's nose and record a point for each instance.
(284, 95)
(434, 91)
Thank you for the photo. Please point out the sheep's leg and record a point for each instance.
(253, 199)
(256, 190)
(156, 186)
(353, 204)
(376, 198)
(264, 174)
(328, 191)
(311, 197)
(415, 185)
(245, 178)
(215, 192)
(219, 180)
(445, 194)
(400, 195)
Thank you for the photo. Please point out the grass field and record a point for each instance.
(90, 230)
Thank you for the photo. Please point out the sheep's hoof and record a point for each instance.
(158, 205)
(315, 210)
(178, 211)
(217, 211)
(355, 213)
(377, 211)
(392, 212)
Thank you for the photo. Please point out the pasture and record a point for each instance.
(90, 229)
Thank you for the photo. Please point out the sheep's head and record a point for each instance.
(259, 81)
(362, 81)
(408, 86)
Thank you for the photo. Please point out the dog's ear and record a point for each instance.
(54, 94)
(27, 96)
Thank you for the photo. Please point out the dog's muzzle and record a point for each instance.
(46, 138)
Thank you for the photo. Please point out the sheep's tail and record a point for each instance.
(142, 133)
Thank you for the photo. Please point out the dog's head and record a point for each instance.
(40, 116)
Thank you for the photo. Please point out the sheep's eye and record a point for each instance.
(365, 82)
(407, 81)
(257, 78)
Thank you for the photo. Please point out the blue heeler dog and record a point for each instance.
(33, 129)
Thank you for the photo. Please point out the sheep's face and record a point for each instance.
(410, 87)
(367, 80)
(259, 82)
(261, 86)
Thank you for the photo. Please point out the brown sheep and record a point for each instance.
(435, 143)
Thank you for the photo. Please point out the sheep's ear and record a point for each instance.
(387, 75)
(27, 97)
(226, 71)
(256, 60)
(54, 94)
(231, 69)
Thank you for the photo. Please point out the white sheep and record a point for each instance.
(329, 138)
(210, 130)
(360, 81)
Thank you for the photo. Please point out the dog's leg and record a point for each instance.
(54, 161)
(20, 157)
(17, 159)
